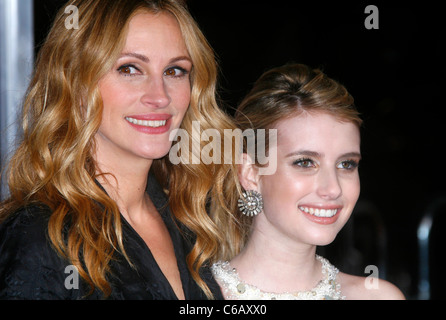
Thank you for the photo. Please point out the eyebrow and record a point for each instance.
(307, 153)
(314, 154)
(352, 155)
(135, 55)
(145, 59)
(180, 58)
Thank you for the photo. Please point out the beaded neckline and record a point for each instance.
(236, 289)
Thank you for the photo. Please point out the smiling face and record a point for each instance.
(315, 188)
(147, 92)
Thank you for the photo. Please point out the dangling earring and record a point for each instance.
(251, 203)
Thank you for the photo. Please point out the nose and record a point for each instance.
(328, 186)
(155, 93)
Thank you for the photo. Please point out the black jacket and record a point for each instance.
(30, 268)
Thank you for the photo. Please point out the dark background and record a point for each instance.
(395, 73)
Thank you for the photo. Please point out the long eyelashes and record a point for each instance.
(128, 70)
(176, 72)
(304, 163)
(348, 165)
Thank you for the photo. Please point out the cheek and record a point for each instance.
(351, 190)
(110, 107)
(284, 190)
(184, 102)
(108, 90)
(180, 96)
(354, 189)
(114, 98)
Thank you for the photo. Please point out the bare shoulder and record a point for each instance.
(368, 288)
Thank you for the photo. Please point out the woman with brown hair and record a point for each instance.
(280, 218)
(88, 215)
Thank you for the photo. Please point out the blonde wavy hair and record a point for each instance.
(279, 93)
(53, 165)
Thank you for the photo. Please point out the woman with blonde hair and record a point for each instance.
(280, 218)
(96, 210)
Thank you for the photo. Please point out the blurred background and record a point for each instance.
(396, 74)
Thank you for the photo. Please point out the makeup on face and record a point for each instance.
(316, 185)
(147, 93)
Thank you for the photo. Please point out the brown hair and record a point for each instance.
(54, 166)
(279, 93)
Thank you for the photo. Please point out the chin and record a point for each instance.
(155, 151)
(323, 243)
(322, 239)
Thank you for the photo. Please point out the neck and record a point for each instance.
(125, 182)
(277, 263)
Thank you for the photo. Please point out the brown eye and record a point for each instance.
(170, 72)
(304, 163)
(348, 165)
(175, 72)
(128, 70)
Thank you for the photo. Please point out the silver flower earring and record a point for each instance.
(251, 203)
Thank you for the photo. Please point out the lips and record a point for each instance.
(320, 214)
(147, 123)
(150, 123)
(326, 213)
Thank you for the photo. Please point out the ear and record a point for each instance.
(248, 173)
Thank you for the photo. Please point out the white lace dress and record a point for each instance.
(234, 288)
